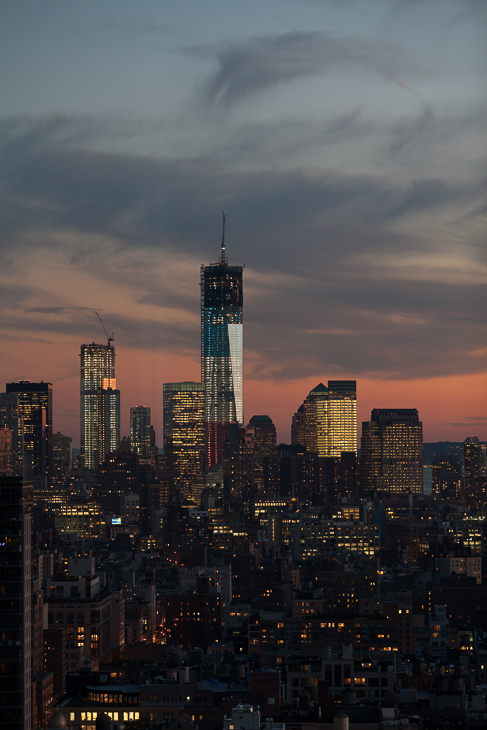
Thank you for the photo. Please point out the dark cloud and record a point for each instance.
(324, 289)
(247, 68)
(431, 129)
(59, 310)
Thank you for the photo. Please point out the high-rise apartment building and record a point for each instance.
(326, 423)
(221, 351)
(141, 433)
(35, 406)
(100, 404)
(392, 451)
(15, 604)
(184, 430)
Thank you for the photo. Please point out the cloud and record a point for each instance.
(346, 273)
(256, 65)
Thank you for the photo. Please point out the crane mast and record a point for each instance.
(109, 337)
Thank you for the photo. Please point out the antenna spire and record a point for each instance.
(224, 219)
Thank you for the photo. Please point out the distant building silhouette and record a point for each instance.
(141, 433)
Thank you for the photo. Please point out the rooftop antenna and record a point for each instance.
(109, 338)
(224, 220)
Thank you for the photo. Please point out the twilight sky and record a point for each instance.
(346, 142)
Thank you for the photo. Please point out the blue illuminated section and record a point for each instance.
(221, 352)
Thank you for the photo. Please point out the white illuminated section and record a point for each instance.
(235, 336)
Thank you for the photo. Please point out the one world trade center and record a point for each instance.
(221, 351)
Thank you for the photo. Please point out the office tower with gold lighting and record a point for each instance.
(35, 406)
(184, 439)
(100, 404)
(326, 423)
(221, 351)
(392, 451)
(141, 433)
(342, 416)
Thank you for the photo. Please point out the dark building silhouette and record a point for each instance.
(15, 604)
(447, 476)
(260, 436)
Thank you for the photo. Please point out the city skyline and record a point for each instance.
(344, 142)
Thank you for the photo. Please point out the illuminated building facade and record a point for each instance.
(326, 423)
(12, 426)
(141, 433)
(342, 416)
(35, 406)
(392, 451)
(221, 352)
(184, 430)
(100, 404)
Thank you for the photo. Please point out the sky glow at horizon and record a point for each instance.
(345, 141)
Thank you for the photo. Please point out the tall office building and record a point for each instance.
(100, 404)
(326, 423)
(12, 424)
(221, 351)
(261, 441)
(392, 451)
(342, 416)
(15, 604)
(35, 405)
(141, 433)
(184, 430)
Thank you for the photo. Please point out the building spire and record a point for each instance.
(224, 219)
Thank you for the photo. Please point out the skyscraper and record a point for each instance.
(140, 432)
(326, 423)
(184, 430)
(342, 415)
(221, 351)
(12, 421)
(392, 451)
(100, 404)
(35, 406)
(261, 440)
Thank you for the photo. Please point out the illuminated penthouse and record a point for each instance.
(184, 430)
(221, 351)
(392, 451)
(100, 404)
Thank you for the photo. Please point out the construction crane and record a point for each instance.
(109, 337)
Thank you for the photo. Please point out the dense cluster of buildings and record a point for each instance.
(225, 580)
